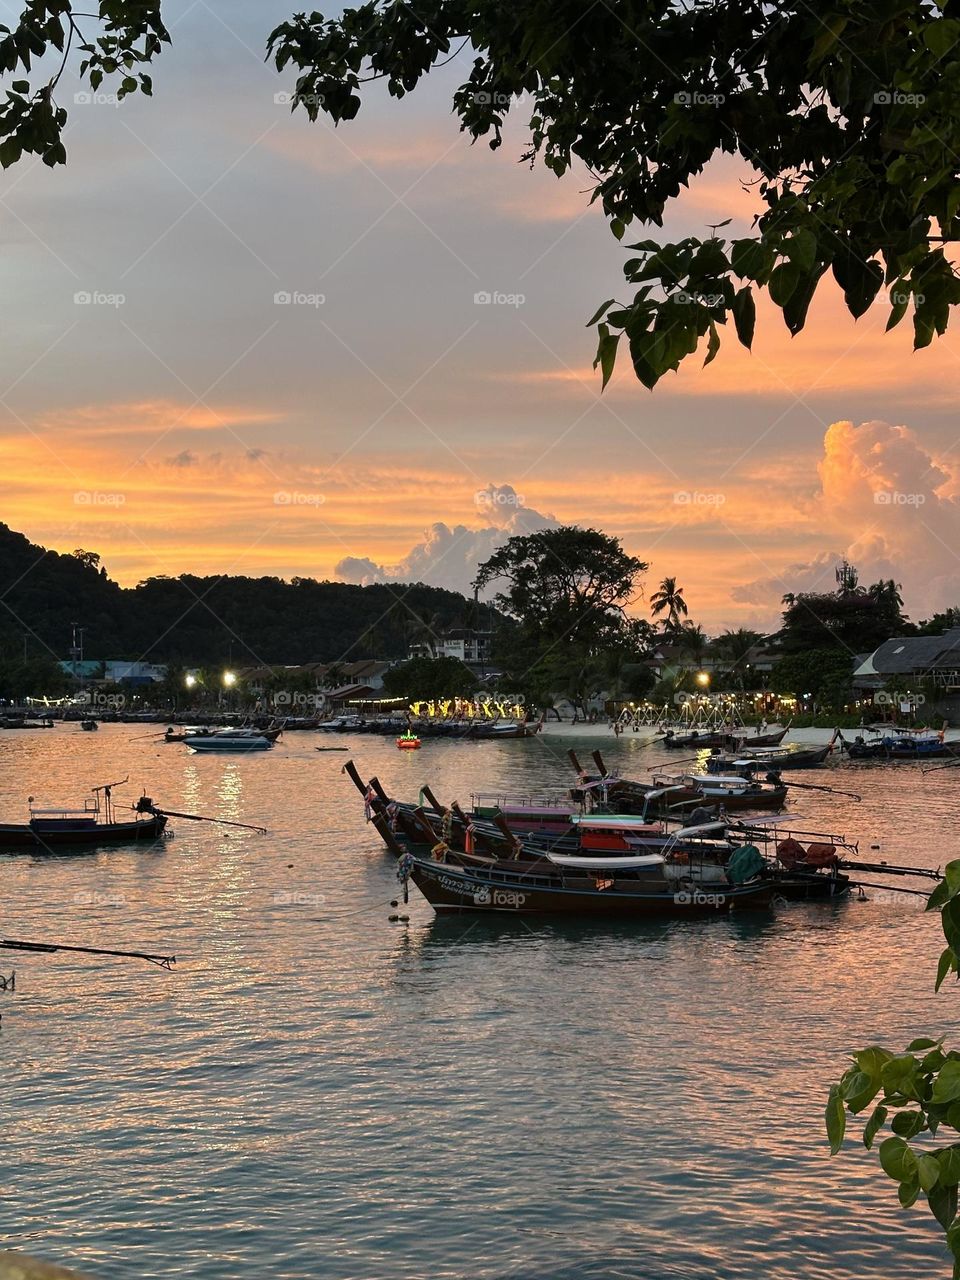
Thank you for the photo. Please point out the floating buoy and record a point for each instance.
(408, 742)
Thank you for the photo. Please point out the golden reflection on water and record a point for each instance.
(452, 1096)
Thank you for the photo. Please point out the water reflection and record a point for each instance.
(493, 1096)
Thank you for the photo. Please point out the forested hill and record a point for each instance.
(194, 620)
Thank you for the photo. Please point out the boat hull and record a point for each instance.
(456, 889)
(47, 835)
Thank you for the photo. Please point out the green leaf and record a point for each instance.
(748, 259)
(57, 154)
(928, 1171)
(907, 1124)
(801, 249)
(713, 344)
(783, 281)
(924, 1042)
(745, 315)
(10, 152)
(946, 1087)
(836, 1120)
(897, 1160)
(795, 310)
(948, 958)
(618, 227)
(900, 1076)
(874, 1125)
(940, 36)
(833, 28)
(950, 919)
(599, 313)
(606, 353)
(909, 1191)
(949, 1158)
(953, 1239)
(943, 1204)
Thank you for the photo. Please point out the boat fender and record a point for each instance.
(368, 798)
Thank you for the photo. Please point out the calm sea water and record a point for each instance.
(315, 1091)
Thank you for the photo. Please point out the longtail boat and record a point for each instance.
(755, 760)
(92, 824)
(903, 744)
(638, 892)
(710, 855)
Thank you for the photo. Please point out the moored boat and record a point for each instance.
(229, 740)
(91, 824)
(638, 892)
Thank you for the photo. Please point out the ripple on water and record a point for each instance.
(315, 1091)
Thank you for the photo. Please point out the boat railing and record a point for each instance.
(778, 832)
(90, 809)
(503, 800)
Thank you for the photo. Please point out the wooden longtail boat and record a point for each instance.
(904, 744)
(635, 893)
(91, 825)
(764, 760)
(728, 739)
(699, 855)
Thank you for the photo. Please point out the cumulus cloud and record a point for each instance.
(891, 508)
(447, 556)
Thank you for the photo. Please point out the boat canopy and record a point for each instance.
(702, 829)
(717, 780)
(604, 861)
(609, 821)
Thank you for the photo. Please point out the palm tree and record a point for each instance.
(733, 647)
(669, 598)
(886, 591)
(692, 642)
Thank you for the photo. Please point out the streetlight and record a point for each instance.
(190, 681)
(229, 680)
(703, 679)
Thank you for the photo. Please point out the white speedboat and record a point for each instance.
(228, 740)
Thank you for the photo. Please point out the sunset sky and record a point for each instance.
(185, 421)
